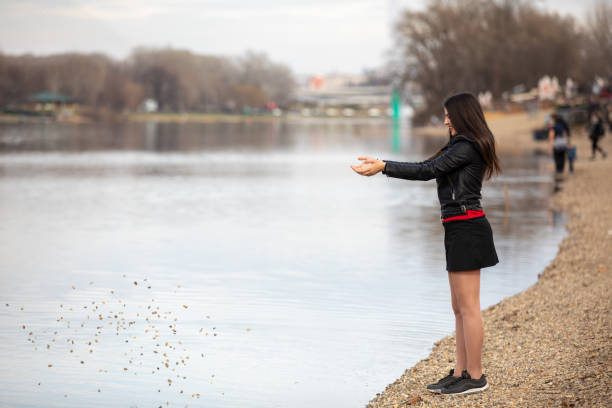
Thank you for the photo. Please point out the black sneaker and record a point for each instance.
(466, 385)
(449, 379)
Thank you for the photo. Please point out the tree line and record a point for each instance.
(496, 45)
(178, 80)
(450, 46)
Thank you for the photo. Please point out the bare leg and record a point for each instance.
(466, 288)
(460, 353)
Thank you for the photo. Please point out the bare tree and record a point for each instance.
(274, 80)
(480, 45)
(178, 80)
(598, 41)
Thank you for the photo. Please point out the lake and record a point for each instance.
(234, 264)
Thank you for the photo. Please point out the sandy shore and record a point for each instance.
(512, 131)
(550, 345)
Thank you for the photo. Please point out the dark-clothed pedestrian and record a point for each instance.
(596, 132)
(571, 148)
(558, 140)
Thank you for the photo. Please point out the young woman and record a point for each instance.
(459, 168)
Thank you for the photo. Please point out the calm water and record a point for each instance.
(245, 262)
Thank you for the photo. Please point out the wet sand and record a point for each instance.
(550, 345)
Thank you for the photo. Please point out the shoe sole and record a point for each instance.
(435, 391)
(471, 390)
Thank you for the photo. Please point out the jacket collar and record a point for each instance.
(454, 139)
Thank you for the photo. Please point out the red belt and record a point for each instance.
(470, 214)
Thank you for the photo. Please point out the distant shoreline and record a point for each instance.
(230, 117)
(188, 117)
(512, 130)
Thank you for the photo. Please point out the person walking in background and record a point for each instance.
(562, 122)
(459, 168)
(571, 148)
(596, 132)
(558, 140)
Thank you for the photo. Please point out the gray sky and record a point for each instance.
(311, 36)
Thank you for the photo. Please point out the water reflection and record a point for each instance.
(261, 135)
(263, 224)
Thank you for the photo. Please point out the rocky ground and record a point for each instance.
(550, 345)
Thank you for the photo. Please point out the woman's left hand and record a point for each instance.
(369, 167)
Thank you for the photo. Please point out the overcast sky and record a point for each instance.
(311, 36)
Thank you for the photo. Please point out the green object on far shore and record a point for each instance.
(395, 126)
(396, 104)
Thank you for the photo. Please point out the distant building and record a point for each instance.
(50, 102)
(361, 96)
(341, 90)
(150, 105)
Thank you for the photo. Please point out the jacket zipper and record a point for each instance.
(452, 186)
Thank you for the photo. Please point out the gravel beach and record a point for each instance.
(550, 345)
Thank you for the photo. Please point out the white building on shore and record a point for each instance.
(340, 91)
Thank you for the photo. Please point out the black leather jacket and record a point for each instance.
(458, 171)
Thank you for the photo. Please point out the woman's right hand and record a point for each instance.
(369, 167)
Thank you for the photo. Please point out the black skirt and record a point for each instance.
(469, 244)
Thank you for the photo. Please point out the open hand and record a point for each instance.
(369, 167)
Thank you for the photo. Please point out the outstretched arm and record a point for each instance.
(455, 156)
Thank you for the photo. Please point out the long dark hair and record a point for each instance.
(467, 118)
